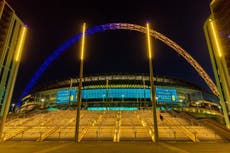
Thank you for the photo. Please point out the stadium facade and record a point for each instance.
(119, 92)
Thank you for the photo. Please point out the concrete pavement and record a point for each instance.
(109, 147)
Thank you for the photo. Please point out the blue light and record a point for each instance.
(115, 93)
(59, 51)
(52, 57)
(166, 95)
(112, 108)
(65, 96)
(162, 94)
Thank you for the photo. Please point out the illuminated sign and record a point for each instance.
(115, 93)
(65, 96)
(111, 108)
(166, 95)
(162, 94)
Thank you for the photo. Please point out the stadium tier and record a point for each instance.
(114, 126)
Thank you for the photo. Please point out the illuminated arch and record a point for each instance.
(122, 26)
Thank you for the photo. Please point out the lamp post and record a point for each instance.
(153, 92)
(80, 85)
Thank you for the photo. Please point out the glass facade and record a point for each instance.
(162, 94)
(115, 93)
(120, 92)
(221, 13)
(12, 37)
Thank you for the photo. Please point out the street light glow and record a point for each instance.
(77, 138)
(152, 87)
(217, 41)
(20, 43)
(148, 40)
(83, 41)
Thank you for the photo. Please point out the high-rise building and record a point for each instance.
(12, 37)
(217, 33)
(221, 12)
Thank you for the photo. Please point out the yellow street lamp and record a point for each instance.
(153, 92)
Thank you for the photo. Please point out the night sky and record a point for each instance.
(52, 22)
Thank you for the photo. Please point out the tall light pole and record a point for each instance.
(13, 77)
(80, 84)
(153, 92)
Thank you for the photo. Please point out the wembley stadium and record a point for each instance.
(120, 92)
(118, 108)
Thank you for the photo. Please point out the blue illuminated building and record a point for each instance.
(162, 94)
(117, 92)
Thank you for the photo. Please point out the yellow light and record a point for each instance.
(213, 1)
(217, 42)
(20, 43)
(149, 42)
(83, 41)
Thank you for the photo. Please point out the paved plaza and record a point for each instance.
(109, 147)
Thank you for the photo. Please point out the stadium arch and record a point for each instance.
(121, 26)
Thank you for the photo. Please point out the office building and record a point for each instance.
(12, 36)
